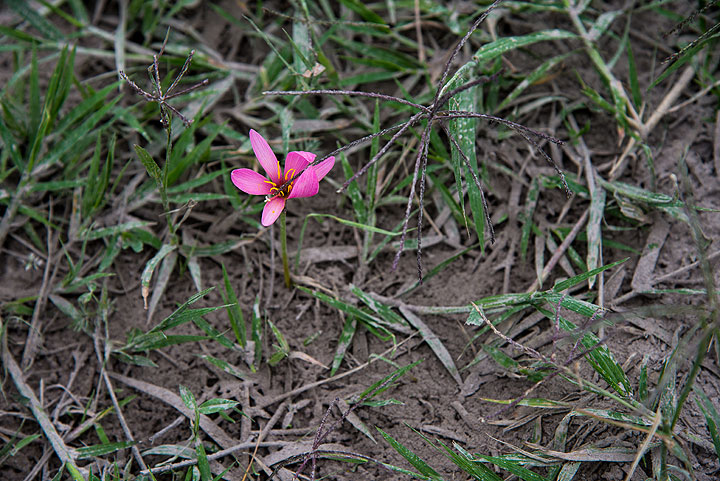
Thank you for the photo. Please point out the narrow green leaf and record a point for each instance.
(150, 165)
(188, 398)
(568, 471)
(302, 46)
(34, 98)
(353, 191)
(501, 358)
(568, 283)
(470, 466)
(712, 418)
(465, 159)
(633, 76)
(344, 342)
(216, 405)
(151, 265)
(500, 46)
(513, 467)
(184, 314)
(91, 452)
(237, 321)
(213, 333)
(686, 56)
(600, 358)
(385, 383)
(225, 366)
(160, 340)
(527, 215)
(528, 80)
(369, 320)
(39, 23)
(410, 456)
(378, 307)
(361, 9)
(203, 464)
(643, 379)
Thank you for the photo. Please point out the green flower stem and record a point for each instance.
(283, 248)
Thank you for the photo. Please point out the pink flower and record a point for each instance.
(306, 185)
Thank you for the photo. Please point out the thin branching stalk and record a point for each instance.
(166, 111)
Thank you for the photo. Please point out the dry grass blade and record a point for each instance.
(219, 435)
(66, 454)
(434, 342)
(645, 445)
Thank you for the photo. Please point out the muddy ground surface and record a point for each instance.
(66, 373)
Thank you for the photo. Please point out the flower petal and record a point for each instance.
(250, 182)
(306, 185)
(322, 169)
(272, 210)
(295, 162)
(265, 156)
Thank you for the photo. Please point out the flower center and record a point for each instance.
(277, 190)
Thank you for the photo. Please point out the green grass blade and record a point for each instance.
(712, 417)
(568, 471)
(513, 467)
(686, 56)
(379, 308)
(531, 78)
(464, 132)
(527, 215)
(213, 333)
(600, 358)
(491, 50)
(237, 321)
(568, 283)
(90, 452)
(188, 398)
(160, 340)
(183, 313)
(411, 457)
(633, 77)
(470, 466)
(224, 366)
(378, 325)
(40, 23)
(150, 165)
(203, 464)
(361, 9)
(344, 342)
(150, 268)
(353, 191)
